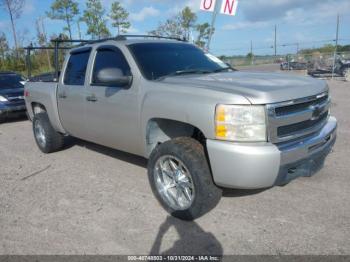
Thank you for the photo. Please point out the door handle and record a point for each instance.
(62, 95)
(91, 98)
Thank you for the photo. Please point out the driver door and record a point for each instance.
(112, 110)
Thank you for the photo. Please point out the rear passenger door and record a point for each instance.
(71, 96)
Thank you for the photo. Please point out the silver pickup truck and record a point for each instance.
(202, 125)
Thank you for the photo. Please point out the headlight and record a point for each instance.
(240, 123)
(3, 99)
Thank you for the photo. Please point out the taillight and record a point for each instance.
(26, 93)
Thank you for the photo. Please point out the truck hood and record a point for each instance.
(257, 87)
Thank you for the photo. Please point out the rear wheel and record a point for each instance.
(181, 179)
(46, 137)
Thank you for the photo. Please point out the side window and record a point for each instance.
(108, 59)
(76, 69)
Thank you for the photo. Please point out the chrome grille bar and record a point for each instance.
(291, 120)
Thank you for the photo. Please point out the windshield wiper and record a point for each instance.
(185, 72)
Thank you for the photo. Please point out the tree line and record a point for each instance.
(182, 25)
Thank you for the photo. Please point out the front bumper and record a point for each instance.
(8, 110)
(263, 165)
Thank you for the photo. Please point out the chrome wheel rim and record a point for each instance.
(39, 134)
(174, 182)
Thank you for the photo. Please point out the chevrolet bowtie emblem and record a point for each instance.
(316, 112)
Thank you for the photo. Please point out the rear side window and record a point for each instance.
(76, 69)
(110, 58)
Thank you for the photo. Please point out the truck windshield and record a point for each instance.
(10, 81)
(157, 60)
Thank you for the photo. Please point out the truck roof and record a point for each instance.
(124, 42)
(132, 39)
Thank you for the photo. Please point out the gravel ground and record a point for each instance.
(89, 199)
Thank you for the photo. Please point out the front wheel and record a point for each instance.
(181, 180)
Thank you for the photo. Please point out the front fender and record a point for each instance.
(196, 108)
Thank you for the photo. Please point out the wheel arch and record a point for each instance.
(37, 108)
(160, 130)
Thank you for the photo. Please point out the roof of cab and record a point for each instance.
(127, 42)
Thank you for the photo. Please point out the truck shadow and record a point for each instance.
(14, 120)
(241, 192)
(193, 240)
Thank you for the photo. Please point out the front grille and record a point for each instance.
(298, 118)
(301, 126)
(280, 111)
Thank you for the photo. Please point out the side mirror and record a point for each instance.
(112, 77)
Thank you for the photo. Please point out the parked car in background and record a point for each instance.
(294, 66)
(11, 95)
(46, 77)
(341, 68)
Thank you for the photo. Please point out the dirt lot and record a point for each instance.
(92, 200)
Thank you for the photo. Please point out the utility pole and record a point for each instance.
(275, 40)
(336, 46)
(251, 52)
(79, 31)
(212, 27)
(297, 48)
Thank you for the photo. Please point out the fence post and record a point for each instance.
(29, 64)
(336, 47)
(56, 59)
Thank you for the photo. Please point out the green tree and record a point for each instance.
(4, 48)
(178, 26)
(170, 28)
(94, 17)
(250, 58)
(119, 16)
(65, 10)
(203, 34)
(14, 8)
(345, 48)
(188, 20)
(42, 39)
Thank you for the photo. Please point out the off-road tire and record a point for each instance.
(54, 140)
(192, 154)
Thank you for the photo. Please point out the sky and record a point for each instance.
(311, 23)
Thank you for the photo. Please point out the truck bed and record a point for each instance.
(44, 94)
